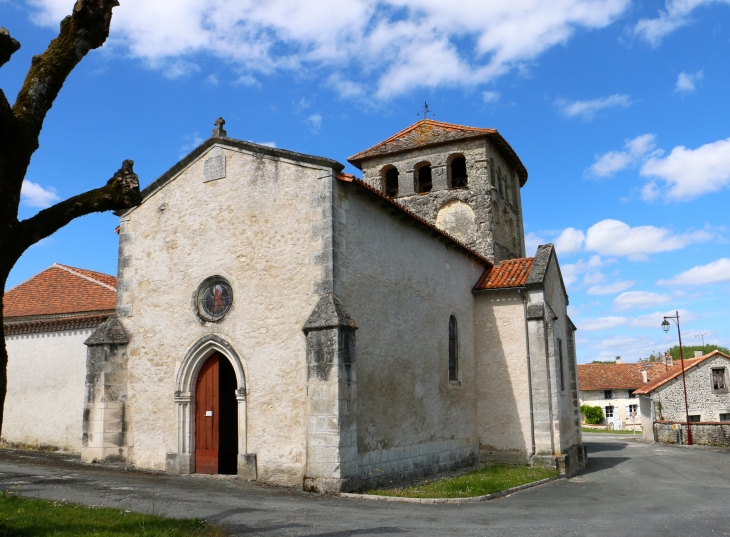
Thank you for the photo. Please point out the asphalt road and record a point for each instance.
(628, 489)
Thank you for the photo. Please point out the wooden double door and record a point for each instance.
(216, 418)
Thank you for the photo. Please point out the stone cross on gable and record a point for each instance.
(218, 132)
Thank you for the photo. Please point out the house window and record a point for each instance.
(609, 412)
(390, 181)
(724, 417)
(719, 382)
(423, 181)
(560, 364)
(607, 394)
(457, 172)
(633, 409)
(694, 418)
(453, 350)
(631, 394)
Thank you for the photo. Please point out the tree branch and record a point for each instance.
(8, 46)
(85, 29)
(120, 192)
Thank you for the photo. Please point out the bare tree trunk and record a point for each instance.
(20, 126)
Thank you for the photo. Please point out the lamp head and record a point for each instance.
(665, 326)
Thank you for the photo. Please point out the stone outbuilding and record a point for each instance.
(283, 321)
(708, 395)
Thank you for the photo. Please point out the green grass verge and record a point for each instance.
(609, 431)
(20, 517)
(487, 480)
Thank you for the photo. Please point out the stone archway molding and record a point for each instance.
(183, 460)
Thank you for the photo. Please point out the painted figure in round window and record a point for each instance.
(215, 299)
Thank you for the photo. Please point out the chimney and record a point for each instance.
(698, 354)
(618, 360)
(644, 377)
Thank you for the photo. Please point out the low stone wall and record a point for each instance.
(703, 433)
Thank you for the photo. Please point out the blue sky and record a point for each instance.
(618, 109)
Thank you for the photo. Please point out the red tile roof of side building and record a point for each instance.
(616, 376)
(676, 370)
(509, 273)
(429, 132)
(61, 290)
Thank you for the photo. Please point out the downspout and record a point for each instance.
(529, 377)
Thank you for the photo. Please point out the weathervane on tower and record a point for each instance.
(425, 112)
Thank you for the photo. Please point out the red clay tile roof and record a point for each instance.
(616, 376)
(509, 273)
(676, 370)
(428, 132)
(61, 290)
(348, 178)
(54, 325)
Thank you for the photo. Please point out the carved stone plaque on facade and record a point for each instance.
(215, 168)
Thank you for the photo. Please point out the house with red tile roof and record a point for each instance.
(707, 380)
(286, 322)
(46, 321)
(613, 388)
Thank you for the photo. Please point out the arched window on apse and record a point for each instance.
(492, 177)
(423, 181)
(453, 349)
(515, 189)
(499, 182)
(390, 181)
(457, 172)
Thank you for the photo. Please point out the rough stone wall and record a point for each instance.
(45, 399)
(701, 398)
(401, 286)
(703, 434)
(264, 226)
(503, 398)
(497, 229)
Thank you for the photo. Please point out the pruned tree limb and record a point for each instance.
(120, 192)
(8, 46)
(85, 29)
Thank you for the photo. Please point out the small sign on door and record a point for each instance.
(208, 413)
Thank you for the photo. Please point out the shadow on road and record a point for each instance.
(596, 447)
(597, 464)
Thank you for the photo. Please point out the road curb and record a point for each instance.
(472, 499)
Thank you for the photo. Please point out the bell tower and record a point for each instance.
(465, 180)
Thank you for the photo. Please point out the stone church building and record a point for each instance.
(283, 321)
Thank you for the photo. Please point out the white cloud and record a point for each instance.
(610, 288)
(267, 144)
(614, 161)
(686, 83)
(192, 141)
(34, 195)
(532, 241)
(616, 238)
(638, 300)
(715, 272)
(570, 240)
(399, 44)
(315, 122)
(490, 96)
(675, 15)
(588, 109)
(571, 271)
(654, 320)
(689, 173)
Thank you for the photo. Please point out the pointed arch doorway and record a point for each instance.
(216, 417)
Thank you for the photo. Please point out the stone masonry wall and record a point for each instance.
(701, 398)
(495, 229)
(704, 434)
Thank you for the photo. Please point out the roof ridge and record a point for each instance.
(73, 270)
(418, 124)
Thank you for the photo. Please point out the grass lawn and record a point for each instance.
(20, 517)
(487, 480)
(610, 431)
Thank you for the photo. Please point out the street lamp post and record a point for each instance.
(665, 327)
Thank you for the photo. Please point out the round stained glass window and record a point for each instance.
(214, 299)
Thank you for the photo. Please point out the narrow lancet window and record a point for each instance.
(423, 178)
(453, 350)
(391, 182)
(458, 173)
